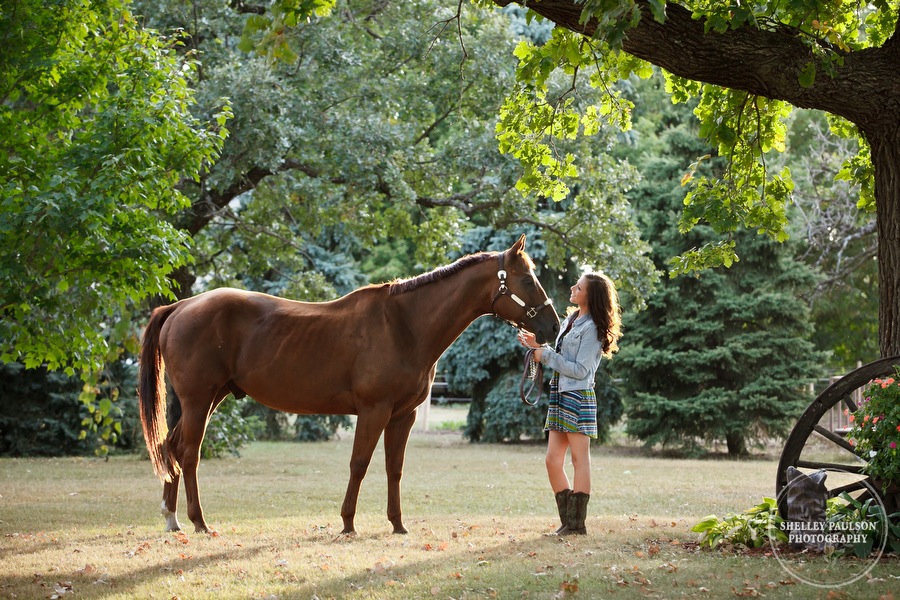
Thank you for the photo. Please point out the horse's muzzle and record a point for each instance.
(546, 328)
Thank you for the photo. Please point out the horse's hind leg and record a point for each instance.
(170, 488)
(185, 441)
(193, 428)
(396, 436)
(169, 506)
(170, 503)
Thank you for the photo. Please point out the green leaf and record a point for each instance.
(658, 8)
(706, 523)
(808, 75)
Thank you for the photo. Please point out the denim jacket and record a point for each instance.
(579, 356)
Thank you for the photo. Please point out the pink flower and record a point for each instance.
(892, 445)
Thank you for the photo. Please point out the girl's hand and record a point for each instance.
(526, 338)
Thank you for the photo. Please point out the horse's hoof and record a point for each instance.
(400, 530)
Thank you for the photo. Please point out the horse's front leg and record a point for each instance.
(396, 435)
(369, 426)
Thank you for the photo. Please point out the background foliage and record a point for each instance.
(373, 141)
(97, 131)
(724, 355)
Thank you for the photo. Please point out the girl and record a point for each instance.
(588, 333)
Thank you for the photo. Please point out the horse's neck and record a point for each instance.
(444, 309)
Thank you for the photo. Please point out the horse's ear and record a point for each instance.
(519, 246)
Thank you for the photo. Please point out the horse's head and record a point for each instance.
(521, 299)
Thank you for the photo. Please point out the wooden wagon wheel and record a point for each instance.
(814, 445)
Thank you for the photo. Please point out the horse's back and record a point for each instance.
(294, 356)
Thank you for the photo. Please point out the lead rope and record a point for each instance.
(533, 373)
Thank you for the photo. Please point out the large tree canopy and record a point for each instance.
(96, 130)
(746, 63)
(378, 119)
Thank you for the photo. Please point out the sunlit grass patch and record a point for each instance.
(478, 516)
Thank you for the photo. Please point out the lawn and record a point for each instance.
(478, 516)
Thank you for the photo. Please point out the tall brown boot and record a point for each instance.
(576, 513)
(562, 503)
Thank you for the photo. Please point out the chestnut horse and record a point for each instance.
(371, 353)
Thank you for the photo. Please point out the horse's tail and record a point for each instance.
(152, 396)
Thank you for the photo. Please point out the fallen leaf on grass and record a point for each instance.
(747, 592)
(440, 547)
(381, 567)
(61, 588)
(668, 567)
(141, 548)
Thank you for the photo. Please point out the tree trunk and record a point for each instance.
(885, 145)
(737, 445)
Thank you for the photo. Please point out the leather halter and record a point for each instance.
(530, 311)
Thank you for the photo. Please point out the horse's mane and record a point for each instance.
(401, 286)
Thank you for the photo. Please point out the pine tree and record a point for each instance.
(724, 355)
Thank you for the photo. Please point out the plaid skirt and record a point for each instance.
(571, 412)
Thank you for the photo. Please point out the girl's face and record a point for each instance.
(579, 293)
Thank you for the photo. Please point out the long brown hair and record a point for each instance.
(603, 306)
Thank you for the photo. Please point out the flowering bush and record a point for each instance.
(875, 429)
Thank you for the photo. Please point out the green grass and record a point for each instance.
(477, 516)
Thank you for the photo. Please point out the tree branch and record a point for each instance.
(211, 203)
(759, 61)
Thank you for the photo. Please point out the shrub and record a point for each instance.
(876, 429)
(41, 412)
(503, 417)
(228, 430)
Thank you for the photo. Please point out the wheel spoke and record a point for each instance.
(814, 464)
(850, 404)
(834, 438)
(849, 487)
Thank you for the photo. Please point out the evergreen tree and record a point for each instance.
(723, 355)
